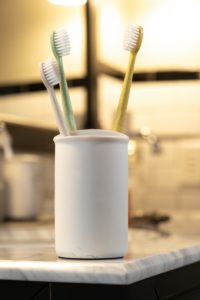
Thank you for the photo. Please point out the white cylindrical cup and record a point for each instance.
(22, 186)
(91, 194)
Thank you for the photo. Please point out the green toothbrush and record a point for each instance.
(60, 45)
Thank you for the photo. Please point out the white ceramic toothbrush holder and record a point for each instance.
(91, 194)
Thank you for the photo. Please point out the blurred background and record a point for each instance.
(163, 118)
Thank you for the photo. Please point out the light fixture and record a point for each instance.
(68, 2)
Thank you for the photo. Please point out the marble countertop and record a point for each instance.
(27, 253)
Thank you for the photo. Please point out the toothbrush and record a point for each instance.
(60, 45)
(132, 43)
(50, 77)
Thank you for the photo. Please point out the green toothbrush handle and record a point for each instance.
(67, 107)
(124, 96)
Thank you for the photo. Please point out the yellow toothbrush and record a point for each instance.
(132, 43)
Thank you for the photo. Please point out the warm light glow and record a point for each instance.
(111, 37)
(145, 131)
(171, 40)
(171, 33)
(131, 147)
(68, 2)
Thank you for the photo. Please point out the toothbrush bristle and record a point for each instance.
(131, 38)
(50, 72)
(62, 42)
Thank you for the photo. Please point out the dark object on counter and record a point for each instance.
(149, 221)
(29, 138)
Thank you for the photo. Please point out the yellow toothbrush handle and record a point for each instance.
(123, 101)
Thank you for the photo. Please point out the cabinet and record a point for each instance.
(24, 290)
(43, 293)
(180, 284)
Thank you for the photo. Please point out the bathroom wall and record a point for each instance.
(167, 180)
(168, 107)
(166, 25)
(171, 109)
(25, 28)
(35, 108)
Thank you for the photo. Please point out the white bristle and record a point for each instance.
(50, 72)
(131, 38)
(62, 42)
(50, 77)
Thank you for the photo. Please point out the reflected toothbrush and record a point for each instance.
(60, 45)
(50, 78)
(132, 43)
